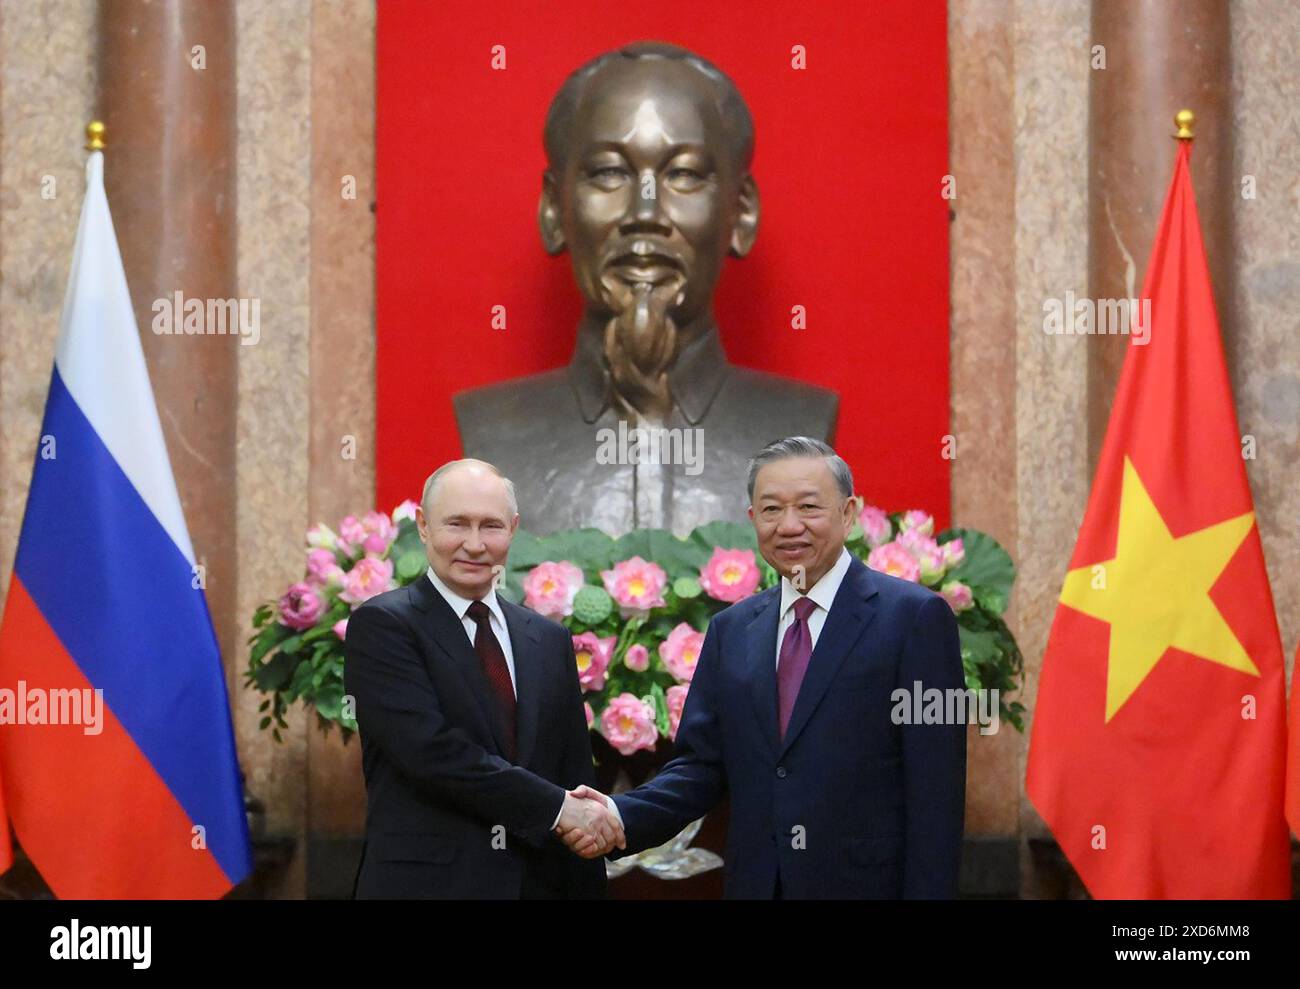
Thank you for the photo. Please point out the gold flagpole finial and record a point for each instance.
(95, 135)
(1183, 120)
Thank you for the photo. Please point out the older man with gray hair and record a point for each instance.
(791, 713)
(471, 719)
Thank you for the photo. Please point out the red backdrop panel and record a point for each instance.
(849, 159)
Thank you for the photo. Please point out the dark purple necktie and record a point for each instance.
(796, 649)
(497, 672)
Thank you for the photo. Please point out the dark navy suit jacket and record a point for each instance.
(849, 804)
(447, 815)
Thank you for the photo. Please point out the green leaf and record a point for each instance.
(687, 587)
(274, 674)
(269, 637)
(678, 557)
(661, 709)
(525, 551)
(987, 569)
(411, 564)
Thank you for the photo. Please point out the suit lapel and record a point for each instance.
(760, 647)
(449, 635)
(525, 637)
(851, 612)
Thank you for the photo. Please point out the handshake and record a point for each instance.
(588, 825)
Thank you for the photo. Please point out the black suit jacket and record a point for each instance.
(447, 815)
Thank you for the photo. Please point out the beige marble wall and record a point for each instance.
(981, 53)
(1018, 130)
(342, 332)
(1019, 113)
(306, 392)
(274, 426)
(305, 104)
(47, 61)
(1266, 352)
(1052, 469)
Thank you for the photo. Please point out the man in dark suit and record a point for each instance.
(471, 719)
(791, 712)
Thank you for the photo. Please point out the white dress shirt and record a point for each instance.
(496, 619)
(821, 594)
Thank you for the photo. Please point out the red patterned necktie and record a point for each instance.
(498, 673)
(796, 650)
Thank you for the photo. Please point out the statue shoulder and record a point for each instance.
(514, 394)
(815, 406)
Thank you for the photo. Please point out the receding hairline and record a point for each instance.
(434, 480)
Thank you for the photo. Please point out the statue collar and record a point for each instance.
(695, 377)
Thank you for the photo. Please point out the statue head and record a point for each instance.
(648, 187)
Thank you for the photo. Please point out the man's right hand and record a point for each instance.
(587, 825)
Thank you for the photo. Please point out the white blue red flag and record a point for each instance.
(117, 758)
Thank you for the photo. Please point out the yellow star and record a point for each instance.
(1155, 593)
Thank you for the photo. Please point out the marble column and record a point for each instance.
(167, 98)
(1159, 57)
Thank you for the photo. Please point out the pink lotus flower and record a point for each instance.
(958, 596)
(676, 697)
(954, 553)
(369, 577)
(730, 575)
(549, 588)
(925, 551)
(341, 628)
(322, 569)
(628, 724)
(301, 606)
(591, 715)
(321, 536)
(636, 585)
(894, 560)
(680, 651)
(918, 521)
(406, 510)
(637, 658)
(373, 533)
(875, 525)
(593, 655)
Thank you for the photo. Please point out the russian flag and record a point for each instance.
(105, 597)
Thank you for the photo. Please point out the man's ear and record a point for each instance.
(548, 216)
(745, 230)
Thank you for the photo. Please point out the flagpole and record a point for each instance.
(95, 135)
(1184, 120)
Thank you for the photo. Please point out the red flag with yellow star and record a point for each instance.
(1158, 752)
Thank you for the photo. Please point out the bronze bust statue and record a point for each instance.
(648, 188)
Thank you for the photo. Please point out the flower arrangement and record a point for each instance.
(636, 606)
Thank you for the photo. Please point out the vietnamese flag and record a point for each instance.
(1293, 760)
(1158, 753)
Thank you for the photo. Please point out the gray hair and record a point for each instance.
(802, 446)
(731, 105)
(436, 476)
